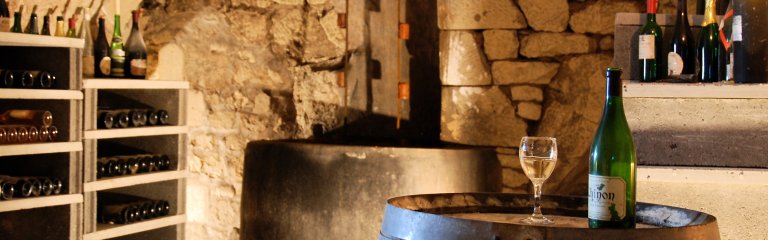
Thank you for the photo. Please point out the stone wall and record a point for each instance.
(527, 67)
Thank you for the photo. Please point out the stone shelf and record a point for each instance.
(134, 132)
(125, 181)
(29, 40)
(113, 83)
(702, 175)
(39, 202)
(635, 89)
(39, 148)
(41, 94)
(105, 231)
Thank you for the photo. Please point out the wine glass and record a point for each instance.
(538, 156)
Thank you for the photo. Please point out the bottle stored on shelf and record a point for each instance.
(24, 187)
(25, 116)
(135, 51)
(6, 190)
(116, 208)
(46, 26)
(650, 46)
(121, 165)
(5, 17)
(106, 120)
(101, 55)
(60, 32)
(32, 24)
(709, 47)
(85, 34)
(7, 78)
(116, 51)
(681, 59)
(122, 118)
(17, 21)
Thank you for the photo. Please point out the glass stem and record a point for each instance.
(537, 201)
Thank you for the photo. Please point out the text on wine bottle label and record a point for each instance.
(607, 198)
(647, 47)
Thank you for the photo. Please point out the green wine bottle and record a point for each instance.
(649, 51)
(612, 164)
(116, 51)
(709, 46)
(16, 22)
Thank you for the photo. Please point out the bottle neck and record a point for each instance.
(117, 26)
(682, 7)
(102, 32)
(710, 13)
(613, 88)
(135, 26)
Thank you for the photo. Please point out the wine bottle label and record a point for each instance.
(729, 68)
(105, 65)
(139, 67)
(737, 30)
(5, 24)
(607, 198)
(674, 64)
(118, 61)
(647, 47)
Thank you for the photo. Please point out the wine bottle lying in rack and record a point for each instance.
(123, 118)
(7, 79)
(12, 134)
(131, 164)
(31, 117)
(6, 190)
(27, 79)
(24, 187)
(115, 208)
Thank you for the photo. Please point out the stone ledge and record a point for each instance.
(633, 89)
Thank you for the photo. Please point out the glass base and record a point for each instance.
(537, 220)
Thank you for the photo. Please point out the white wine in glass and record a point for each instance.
(538, 156)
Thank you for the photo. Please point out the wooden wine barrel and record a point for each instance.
(495, 216)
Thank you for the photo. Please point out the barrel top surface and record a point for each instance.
(307, 144)
(499, 213)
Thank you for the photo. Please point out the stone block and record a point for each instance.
(481, 116)
(529, 111)
(606, 43)
(500, 44)
(527, 93)
(599, 16)
(543, 44)
(323, 40)
(461, 60)
(514, 178)
(550, 15)
(480, 14)
(580, 84)
(509, 72)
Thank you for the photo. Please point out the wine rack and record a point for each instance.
(169, 140)
(55, 216)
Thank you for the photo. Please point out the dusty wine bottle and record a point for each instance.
(612, 164)
(23, 116)
(681, 59)
(650, 45)
(102, 60)
(106, 120)
(85, 34)
(163, 118)
(709, 46)
(135, 51)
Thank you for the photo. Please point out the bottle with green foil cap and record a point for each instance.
(612, 164)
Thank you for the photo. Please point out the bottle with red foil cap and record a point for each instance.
(649, 49)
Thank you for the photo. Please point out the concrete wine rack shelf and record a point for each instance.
(169, 140)
(74, 104)
(60, 215)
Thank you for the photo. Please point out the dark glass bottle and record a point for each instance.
(106, 120)
(708, 51)
(135, 51)
(163, 118)
(23, 79)
(43, 79)
(7, 78)
(650, 46)
(32, 24)
(31, 117)
(5, 17)
(16, 22)
(116, 51)
(612, 164)
(6, 189)
(46, 26)
(102, 59)
(22, 187)
(682, 53)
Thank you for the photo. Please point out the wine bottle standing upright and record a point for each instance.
(85, 34)
(60, 27)
(71, 33)
(46, 26)
(102, 60)
(700, 7)
(681, 59)
(709, 46)
(135, 51)
(16, 22)
(32, 24)
(612, 164)
(649, 50)
(749, 40)
(5, 17)
(117, 53)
